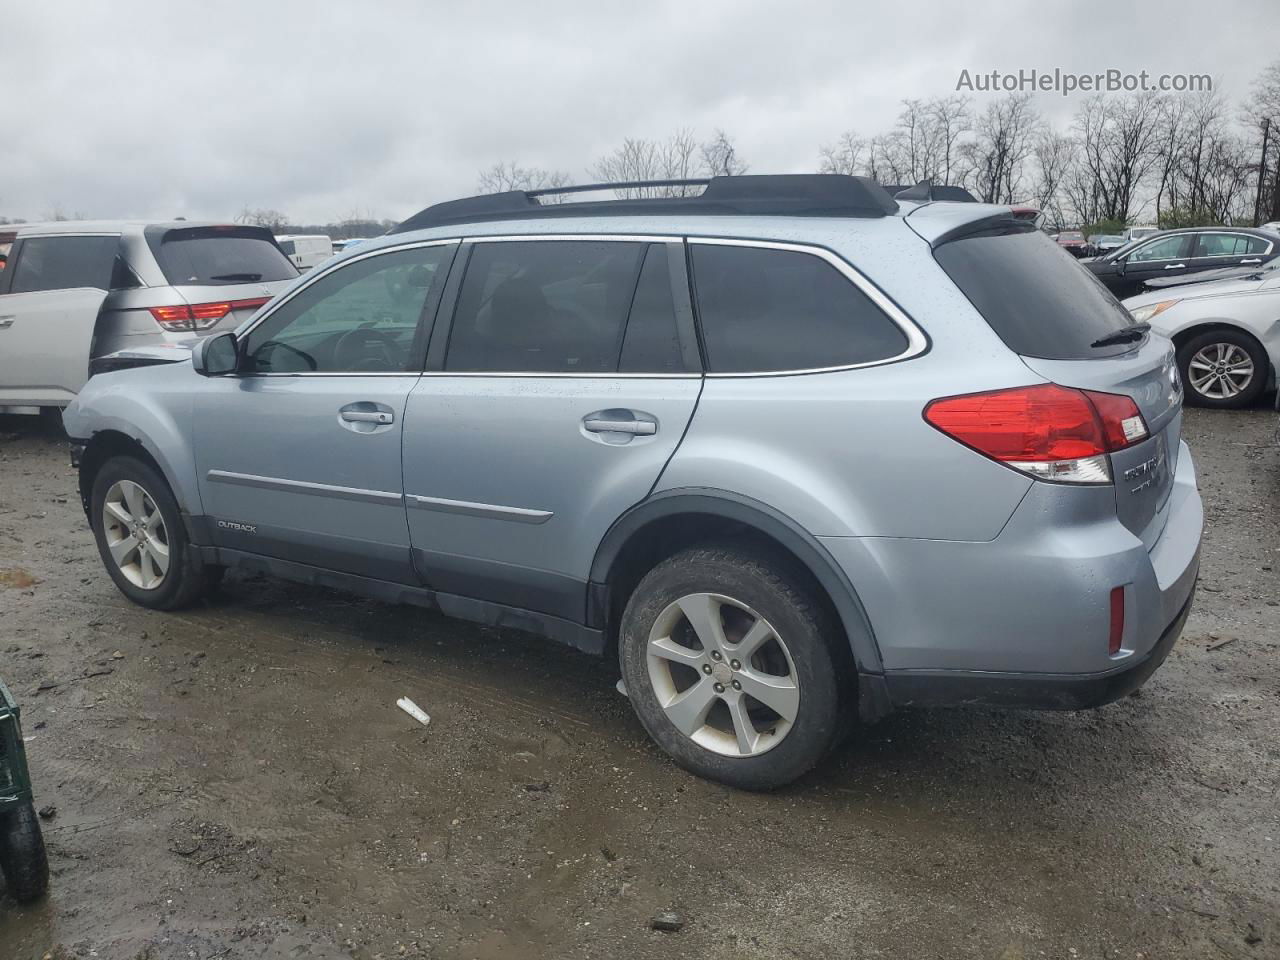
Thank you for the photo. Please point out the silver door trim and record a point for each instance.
(488, 511)
(917, 342)
(303, 486)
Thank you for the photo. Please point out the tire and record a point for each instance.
(186, 577)
(23, 860)
(803, 660)
(1223, 349)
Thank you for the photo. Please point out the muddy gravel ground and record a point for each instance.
(236, 781)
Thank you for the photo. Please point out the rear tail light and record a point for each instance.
(201, 316)
(1051, 432)
(1117, 621)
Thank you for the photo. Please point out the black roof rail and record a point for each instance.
(926, 190)
(787, 195)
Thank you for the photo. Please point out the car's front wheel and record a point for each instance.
(1223, 368)
(23, 860)
(731, 664)
(141, 537)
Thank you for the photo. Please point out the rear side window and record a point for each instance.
(775, 310)
(1037, 298)
(219, 255)
(544, 306)
(64, 263)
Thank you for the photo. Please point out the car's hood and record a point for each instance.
(1205, 276)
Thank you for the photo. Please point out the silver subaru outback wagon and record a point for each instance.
(795, 452)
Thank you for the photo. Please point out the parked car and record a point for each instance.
(1273, 226)
(75, 290)
(1139, 233)
(1180, 253)
(1105, 243)
(306, 250)
(1073, 242)
(1226, 332)
(742, 487)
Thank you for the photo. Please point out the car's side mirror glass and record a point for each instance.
(216, 356)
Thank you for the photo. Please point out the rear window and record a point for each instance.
(219, 255)
(1037, 298)
(766, 310)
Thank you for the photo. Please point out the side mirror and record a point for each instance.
(216, 356)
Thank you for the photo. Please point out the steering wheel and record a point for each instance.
(352, 351)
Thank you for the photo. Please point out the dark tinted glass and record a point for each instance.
(217, 255)
(122, 277)
(1035, 296)
(544, 306)
(764, 310)
(652, 342)
(64, 263)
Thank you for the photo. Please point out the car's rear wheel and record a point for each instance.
(23, 860)
(729, 661)
(141, 537)
(1223, 368)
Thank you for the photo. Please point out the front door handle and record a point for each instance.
(6, 322)
(1253, 260)
(637, 428)
(1175, 266)
(367, 416)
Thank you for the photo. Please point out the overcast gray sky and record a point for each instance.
(321, 108)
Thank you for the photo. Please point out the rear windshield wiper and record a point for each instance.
(1129, 334)
(242, 277)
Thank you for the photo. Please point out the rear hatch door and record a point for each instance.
(239, 266)
(1068, 328)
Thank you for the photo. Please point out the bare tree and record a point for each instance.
(720, 157)
(993, 162)
(1262, 116)
(1119, 139)
(509, 175)
(950, 119)
(1051, 158)
(675, 158)
(273, 220)
(845, 156)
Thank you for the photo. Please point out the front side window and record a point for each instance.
(361, 318)
(775, 310)
(64, 263)
(544, 306)
(1166, 248)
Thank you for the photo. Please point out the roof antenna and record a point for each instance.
(922, 192)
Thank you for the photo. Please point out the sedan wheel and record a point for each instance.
(136, 536)
(723, 675)
(1220, 371)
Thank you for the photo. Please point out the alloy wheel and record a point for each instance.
(1220, 371)
(723, 675)
(136, 536)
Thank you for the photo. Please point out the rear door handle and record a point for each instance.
(367, 416)
(6, 322)
(1175, 266)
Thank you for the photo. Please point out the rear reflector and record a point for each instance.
(201, 316)
(1051, 432)
(1117, 621)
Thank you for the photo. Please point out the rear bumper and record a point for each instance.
(1024, 619)
(949, 688)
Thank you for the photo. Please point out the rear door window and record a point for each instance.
(64, 263)
(544, 306)
(219, 255)
(769, 310)
(1037, 298)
